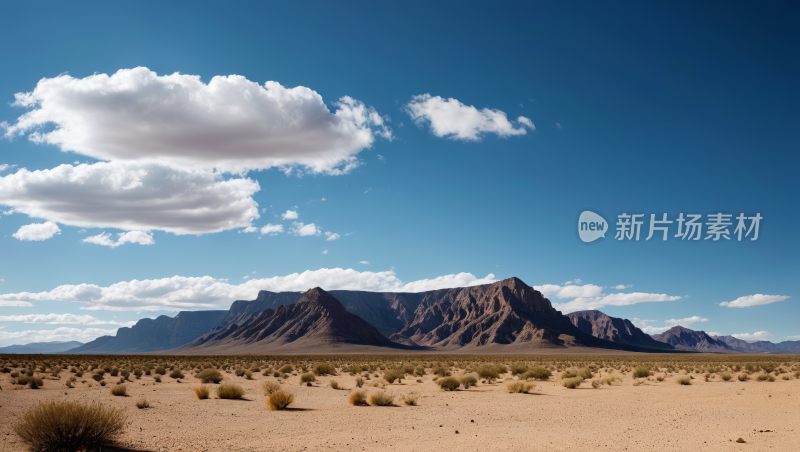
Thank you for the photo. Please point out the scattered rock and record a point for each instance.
(740, 440)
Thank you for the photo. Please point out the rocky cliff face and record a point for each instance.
(504, 313)
(614, 329)
(317, 319)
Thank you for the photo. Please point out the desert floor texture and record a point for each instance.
(653, 416)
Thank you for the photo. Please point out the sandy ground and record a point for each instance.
(655, 416)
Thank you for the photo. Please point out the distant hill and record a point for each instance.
(760, 346)
(40, 347)
(318, 320)
(151, 335)
(686, 339)
(614, 329)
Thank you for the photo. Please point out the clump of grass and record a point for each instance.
(641, 372)
(468, 380)
(324, 369)
(119, 390)
(538, 372)
(157, 379)
(335, 385)
(307, 377)
(596, 384)
(248, 375)
(449, 383)
(230, 391)
(726, 376)
(488, 372)
(410, 399)
(381, 399)
(64, 425)
(176, 374)
(518, 368)
(743, 377)
(569, 374)
(572, 382)
(359, 382)
(684, 381)
(392, 375)
(142, 403)
(201, 392)
(209, 376)
(358, 398)
(279, 400)
(519, 387)
(160, 370)
(270, 387)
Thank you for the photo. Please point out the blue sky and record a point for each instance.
(533, 114)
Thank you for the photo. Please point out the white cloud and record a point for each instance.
(364, 262)
(332, 236)
(3, 167)
(104, 238)
(231, 124)
(324, 251)
(570, 291)
(245, 277)
(793, 337)
(63, 334)
(686, 321)
(622, 287)
(61, 319)
(272, 229)
(16, 303)
(289, 215)
(757, 336)
(180, 293)
(132, 197)
(618, 299)
(753, 300)
(37, 231)
(305, 229)
(248, 230)
(452, 119)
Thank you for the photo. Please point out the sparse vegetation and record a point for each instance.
(279, 400)
(381, 398)
(572, 382)
(230, 391)
(119, 390)
(209, 376)
(142, 403)
(538, 372)
(270, 387)
(519, 387)
(410, 399)
(324, 369)
(70, 426)
(449, 383)
(743, 377)
(686, 381)
(176, 374)
(201, 392)
(641, 372)
(468, 380)
(307, 377)
(358, 398)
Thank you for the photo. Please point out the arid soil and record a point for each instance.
(651, 416)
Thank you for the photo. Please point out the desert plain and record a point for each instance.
(622, 402)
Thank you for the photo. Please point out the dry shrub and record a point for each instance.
(119, 390)
(142, 403)
(572, 382)
(392, 375)
(518, 368)
(641, 372)
(585, 373)
(270, 387)
(381, 399)
(335, 385)
(201, 392)
(359, 382)
(468, 380)
(538, 372)
(230, 391)
(35, 382)
(358, 398)
(209, 376)
(685, 381)
(70, 426)
(726, 376)
(448, 383)
(308, 377)
(410, 399)
(519, 387)
(279, 400)
(324, 369)
(596, 384)
(743, 377)
(176, 374)
(569, 374)
(488, 371)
